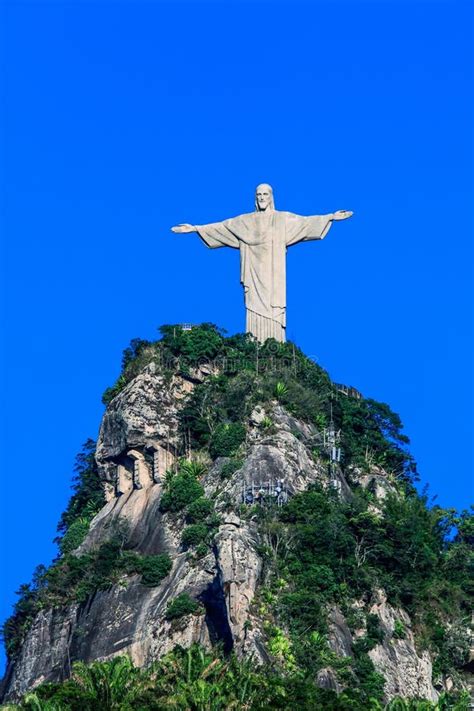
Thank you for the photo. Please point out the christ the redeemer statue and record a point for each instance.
(263, 237)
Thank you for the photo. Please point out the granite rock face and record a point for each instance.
(406, 672)
(138, 441)
(138, 436)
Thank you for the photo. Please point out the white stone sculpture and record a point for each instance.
(263, 237)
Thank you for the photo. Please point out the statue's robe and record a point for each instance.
(263, 238)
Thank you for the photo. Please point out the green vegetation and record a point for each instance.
(183, 494)
(399, 630)
(281, 390)
(198, 534)
(194, 534)
(230, 467)
(199, 510)
(266, 423)
(321, 552)
(180, 490)
(371, 434)
(75, 534)
(197, 680)
(247, 373)
(177, 350)
(180, 606)
(135, 357)
(226, 439)
(153, 568)
(215, 416)
(87, 500)
(194, 467)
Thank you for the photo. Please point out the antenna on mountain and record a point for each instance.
(331, 443)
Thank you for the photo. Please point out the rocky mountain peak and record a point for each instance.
(219, 495)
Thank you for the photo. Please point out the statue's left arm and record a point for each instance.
(305, 229)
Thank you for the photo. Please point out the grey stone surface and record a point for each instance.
(406, 672)
(143, 413)
(121, 620)
(340, 638)
(138, 436)
(327, 679)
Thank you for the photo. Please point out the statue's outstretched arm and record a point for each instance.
(306, 229)
(342, 214)
(180, 229)
(214, 235)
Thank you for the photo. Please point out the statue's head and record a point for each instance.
(264, 197)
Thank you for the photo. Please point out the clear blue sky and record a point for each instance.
(121, 119)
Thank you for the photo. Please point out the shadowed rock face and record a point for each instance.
(128, 618)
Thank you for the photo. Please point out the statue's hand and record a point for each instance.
(183, 228)
(342, 215)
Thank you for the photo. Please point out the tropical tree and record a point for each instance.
(113, 685)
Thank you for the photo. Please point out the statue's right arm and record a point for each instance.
(215, 234)
(218, 234)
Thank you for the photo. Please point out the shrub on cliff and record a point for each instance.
(154, 568)
(182, 490)
(72, 578)
(88, 497)
(180, 606)
(74, 536)
(177, 349)
(199, 510)
(134, 358)
(194, 534)
(226, 440)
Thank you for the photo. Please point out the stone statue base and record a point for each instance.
(262, 327)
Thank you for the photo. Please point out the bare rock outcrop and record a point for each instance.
(138, 436)
(407, 673)
(130, 618)
(239, 567)
(124, 619)
(340, 637)
(376, 481)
